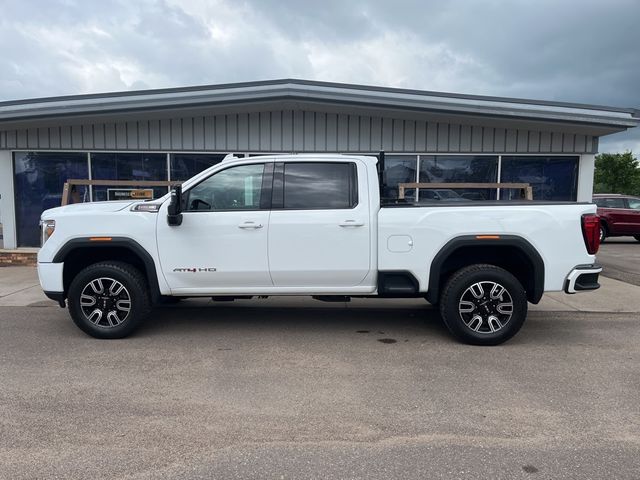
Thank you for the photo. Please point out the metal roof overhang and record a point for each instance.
(257, 96)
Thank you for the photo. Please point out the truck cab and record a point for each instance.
(263, 226)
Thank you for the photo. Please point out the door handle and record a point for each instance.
(252, 225)
(351, 223)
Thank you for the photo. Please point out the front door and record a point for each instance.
(221, 246)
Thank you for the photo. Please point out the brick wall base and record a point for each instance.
(12, 258)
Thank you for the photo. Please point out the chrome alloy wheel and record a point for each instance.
(485, 307)
(105, 302)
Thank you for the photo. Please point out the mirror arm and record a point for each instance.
(174, 211)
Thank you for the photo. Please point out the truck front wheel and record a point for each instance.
(483, 305)
(108, 299)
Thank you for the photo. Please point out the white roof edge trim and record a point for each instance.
(169, 100)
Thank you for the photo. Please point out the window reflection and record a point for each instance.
(128, 166)
(610, 202)
(319, 185)
(399, 169)
(458, 169)
(39, 180)
(634, 203)
(186, 165)
(236, 188)
(552, 178)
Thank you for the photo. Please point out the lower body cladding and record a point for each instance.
(583, 278)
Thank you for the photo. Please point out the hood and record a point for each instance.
(89, 207)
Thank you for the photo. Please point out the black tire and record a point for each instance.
(484, 322)
(637, 237)
(604, 233)
(114, 321)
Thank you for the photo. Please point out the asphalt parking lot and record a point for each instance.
(620, 257)
(302, 389)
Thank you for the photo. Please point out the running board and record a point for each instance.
(332, 298)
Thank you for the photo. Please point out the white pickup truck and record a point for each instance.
(314, 225)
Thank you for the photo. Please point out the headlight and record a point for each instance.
(47, 228)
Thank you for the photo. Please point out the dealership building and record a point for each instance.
(172, 134)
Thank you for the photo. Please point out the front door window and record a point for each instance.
(236, 188)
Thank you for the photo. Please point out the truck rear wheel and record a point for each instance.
(483, 305)
(109, 299)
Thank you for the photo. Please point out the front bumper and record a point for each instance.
(583, 278)
(50, 276)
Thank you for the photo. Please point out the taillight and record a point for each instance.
(591, 232)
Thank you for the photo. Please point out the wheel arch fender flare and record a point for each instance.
(534, 294)
(116, 242)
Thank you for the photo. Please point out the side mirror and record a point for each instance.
(174, 211)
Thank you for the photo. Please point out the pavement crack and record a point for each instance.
(18, 291)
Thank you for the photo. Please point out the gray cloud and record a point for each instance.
(580, 51)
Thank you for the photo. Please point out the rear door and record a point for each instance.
(633, 215)
(319, 230)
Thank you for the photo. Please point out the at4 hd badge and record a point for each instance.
(194, 269)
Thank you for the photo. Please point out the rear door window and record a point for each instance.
(320, 185)
(610, 202)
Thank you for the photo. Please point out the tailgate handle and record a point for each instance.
(351, 223)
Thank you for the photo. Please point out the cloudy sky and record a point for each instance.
(578, 51)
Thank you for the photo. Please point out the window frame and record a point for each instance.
(265, 189)
(277, 202)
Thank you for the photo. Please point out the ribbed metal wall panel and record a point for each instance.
(295, 131)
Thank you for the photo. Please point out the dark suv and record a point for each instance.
(619, 215)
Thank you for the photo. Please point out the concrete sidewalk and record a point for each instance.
(19, 287)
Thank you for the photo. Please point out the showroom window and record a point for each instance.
(128, 166)
(399, 169)
(440, 169)
(552, 177)
(39, 179)
(186, 165)
(458, 169)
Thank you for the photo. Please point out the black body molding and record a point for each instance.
(454, 244)
(117, 242)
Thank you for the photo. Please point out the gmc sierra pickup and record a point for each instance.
(314, 225)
